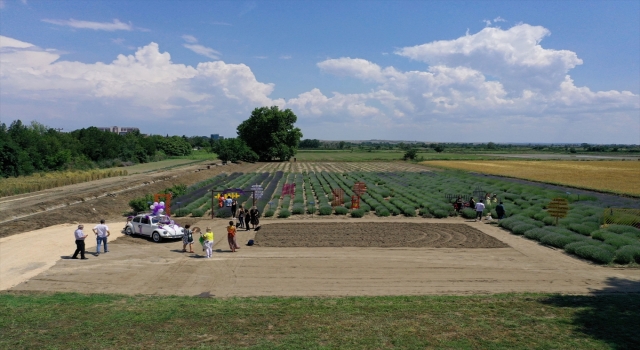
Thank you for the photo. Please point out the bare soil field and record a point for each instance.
(136, 266)
(95, 200)
(372, 234)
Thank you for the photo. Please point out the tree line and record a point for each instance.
(25, 149)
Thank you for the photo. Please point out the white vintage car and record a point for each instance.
(158, 227)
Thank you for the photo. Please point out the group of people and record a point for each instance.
(101, 231)
(207, 239)
(480, 206)
(247, 217)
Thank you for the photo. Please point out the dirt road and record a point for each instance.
(137, 266)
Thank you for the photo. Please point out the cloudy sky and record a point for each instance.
(502, 71)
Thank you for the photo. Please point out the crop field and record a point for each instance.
(163, 164)
(380, 155)
(619, 177)
(427, 194)
(43, 181)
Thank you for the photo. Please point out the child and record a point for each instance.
(231, 237)
(187, 239)
(208, 242)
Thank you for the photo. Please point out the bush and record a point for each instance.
(284, 213)
(560, 230)
(341, 210)
(409, 211)
(197, 213)
(468, 213)
(269, 213)
(311, 209)
(549, 221)
(537, 233)
(141, 204)
(620, 241)
(357, 213)
(623, 229)
(595, 254)
(627, 254)
(601, 235)
(394, 211)
(181, 212)
(297, 210)
(521, 228)
(583, 229)
(223, 213)
(325, 210)
(559, 240)
(439, 213)
(382, 211)
(365, 207)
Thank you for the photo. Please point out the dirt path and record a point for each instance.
(136, 266)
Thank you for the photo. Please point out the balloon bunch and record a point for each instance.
(157, 208)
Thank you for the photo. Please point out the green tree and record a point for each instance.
(270, 133)
(310, 143)
(233, 150)
(410, 154)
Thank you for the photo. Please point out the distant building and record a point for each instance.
(216, 137)
(121, 130)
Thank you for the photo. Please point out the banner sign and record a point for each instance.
(257, 191)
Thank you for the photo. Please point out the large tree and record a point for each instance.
(270, 133)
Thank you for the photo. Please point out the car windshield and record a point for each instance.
(160, 219)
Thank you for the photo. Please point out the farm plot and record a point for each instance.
(619, 177)
(341, 167)
(430, 195)
(386, 234)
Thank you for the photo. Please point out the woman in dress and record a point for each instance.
(247, 219)
(234, 208)
(187, 239)
(255, 217)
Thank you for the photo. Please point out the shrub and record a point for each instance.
(394, 211)
(583, 229)
(341, 210)
(197, 213)
(595, 254)
(141, 204)
(311, 209)
(284, 213)
(181, 212)
(223, 213)
(297, 210)
(520, 229)
(627, 254)
(549, 221)
(601, 235)
(269, 213)
(382, 211)
(325, 210)
(357, 213)
(560, 230)
(623, 229)
(439, 213)
(409, 211)
(559, 240)
(468, 213)
(365, 207)
(620, 241)
(537, 233)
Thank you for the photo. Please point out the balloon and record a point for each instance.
(155, 203)
(162, 204)
(151, 207)
(160, 210)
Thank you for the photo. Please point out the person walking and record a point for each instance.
(187, 239)
(500, 211)
(247, 219)
(102, 232)
(80, 236)
(208, 242)
(479, 210)
(254, 217)
(231, 237)
(241, 217)
(234, 208)
(458, 204)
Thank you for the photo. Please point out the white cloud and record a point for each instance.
(285, 57)
(108, 26)
(499, 19)
(218, 23)
(190, 39)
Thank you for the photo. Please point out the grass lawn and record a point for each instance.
(520, 321)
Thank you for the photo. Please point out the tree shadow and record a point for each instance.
(611, 314)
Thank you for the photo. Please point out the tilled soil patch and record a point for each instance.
(389, 235)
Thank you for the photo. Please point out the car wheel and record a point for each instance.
(156, 237)
(128, 231)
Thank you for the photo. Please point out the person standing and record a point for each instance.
(221, 201)
(227, 202)
(102, 232)
(247, 219)
(80, 236)
(472, 203)
(254, 217)
(234, 208)
(459, 204)
(241, 217)
(500, 211)
(231, 237)
(479, 210)
(208, 242)
(187, 239)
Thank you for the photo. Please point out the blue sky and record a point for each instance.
(502, 71)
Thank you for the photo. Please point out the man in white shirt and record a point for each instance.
(479, 210)
(80, 236)
(102, 232)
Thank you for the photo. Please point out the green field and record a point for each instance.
(366, 156)
(510, 321)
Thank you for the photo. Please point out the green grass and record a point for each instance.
(383, 155)
(510, 321)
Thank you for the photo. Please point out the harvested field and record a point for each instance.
(384, 235)
(608, 176)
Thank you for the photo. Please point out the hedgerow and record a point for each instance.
(628, 254)
(357, 213)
